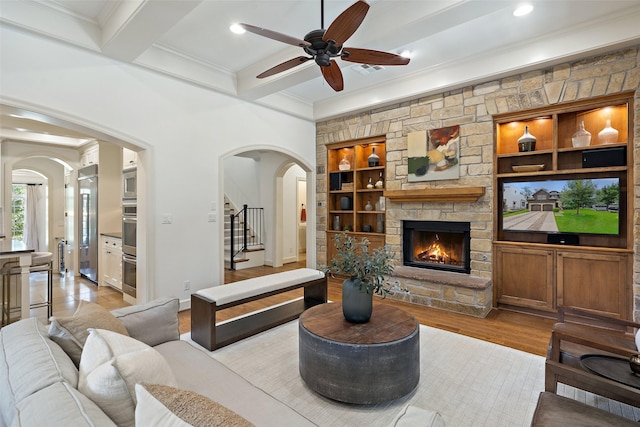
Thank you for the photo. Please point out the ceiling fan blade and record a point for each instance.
(275, 35)
(372, 57)
(346, 23)
(284, 66)
(333, 76)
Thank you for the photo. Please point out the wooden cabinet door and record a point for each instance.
(595, 282)
(525, 277)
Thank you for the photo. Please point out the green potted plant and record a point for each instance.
(366, 270)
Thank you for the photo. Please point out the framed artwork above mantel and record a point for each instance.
(434, 154)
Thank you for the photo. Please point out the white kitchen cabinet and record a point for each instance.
(90, 156)
(111, 262)
(129, 158)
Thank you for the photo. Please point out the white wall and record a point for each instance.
(183, 128)
(241, 181)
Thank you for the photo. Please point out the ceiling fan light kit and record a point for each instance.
(324, 45)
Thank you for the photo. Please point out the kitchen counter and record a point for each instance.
(116, 234)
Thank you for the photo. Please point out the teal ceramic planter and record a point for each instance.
(357, 304)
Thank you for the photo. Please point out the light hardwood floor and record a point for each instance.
(516, 330)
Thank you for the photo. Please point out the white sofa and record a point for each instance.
(39, 382)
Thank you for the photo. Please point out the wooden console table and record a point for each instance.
(362, 363)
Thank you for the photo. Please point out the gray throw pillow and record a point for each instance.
(152, 323)
(72, 332)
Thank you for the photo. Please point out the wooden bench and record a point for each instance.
(205, 303)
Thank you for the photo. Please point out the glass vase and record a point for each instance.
(582, 138)
(608, 135)
(344, 164)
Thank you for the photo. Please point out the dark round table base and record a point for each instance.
(360, 373)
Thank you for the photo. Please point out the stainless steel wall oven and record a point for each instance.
(129, 227)
(129, 241)
(129, 275)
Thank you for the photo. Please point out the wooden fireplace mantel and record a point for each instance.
(453, 194)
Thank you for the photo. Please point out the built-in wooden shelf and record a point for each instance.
(453, 194)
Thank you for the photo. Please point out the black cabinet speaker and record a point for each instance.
(336, 181)
(604, 157)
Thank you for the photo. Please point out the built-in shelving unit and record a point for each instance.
(541, 270)
(355, 190)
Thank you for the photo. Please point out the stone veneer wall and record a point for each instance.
(472, 108)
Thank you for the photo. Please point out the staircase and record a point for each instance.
(253, 255)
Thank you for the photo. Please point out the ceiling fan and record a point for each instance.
(324, 45)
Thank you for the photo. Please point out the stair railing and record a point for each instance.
(250, 222)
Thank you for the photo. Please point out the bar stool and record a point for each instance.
(40, 262)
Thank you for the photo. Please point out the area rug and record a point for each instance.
(468, 381)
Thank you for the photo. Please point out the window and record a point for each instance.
(18, 210)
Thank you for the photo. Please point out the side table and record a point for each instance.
(362, 363)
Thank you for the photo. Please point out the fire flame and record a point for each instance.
(435, 253)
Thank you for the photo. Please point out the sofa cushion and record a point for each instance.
(161, 405)
(59, 405)
(152, 323)
(197, 371)
(111, 365)
(29, 361)
(71, 332)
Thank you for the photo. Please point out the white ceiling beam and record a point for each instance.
(135, 25)
(558, 47)
(50, 22)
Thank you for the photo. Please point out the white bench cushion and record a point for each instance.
(223, 294)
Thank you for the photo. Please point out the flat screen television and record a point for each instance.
(567, 206)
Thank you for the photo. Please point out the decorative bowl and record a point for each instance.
(527, 168)
(634, 363)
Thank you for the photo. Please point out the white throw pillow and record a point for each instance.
(111, 365)
(412, 416)
(638, 339)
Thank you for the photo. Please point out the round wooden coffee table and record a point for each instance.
(363, 363)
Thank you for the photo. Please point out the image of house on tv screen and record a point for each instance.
(587, 206)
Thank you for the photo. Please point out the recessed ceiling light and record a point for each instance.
(522, 10)
(237, 29)
(406, 53)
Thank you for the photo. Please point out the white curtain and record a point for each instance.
(33, 212)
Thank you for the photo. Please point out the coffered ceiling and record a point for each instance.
(453, 43)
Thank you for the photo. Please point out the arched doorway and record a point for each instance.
(270, 177)
(35, 181)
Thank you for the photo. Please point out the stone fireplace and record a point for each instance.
(450, 240)
(437, 245)
(472, 108)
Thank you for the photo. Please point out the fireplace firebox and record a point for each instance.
(438, 245)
